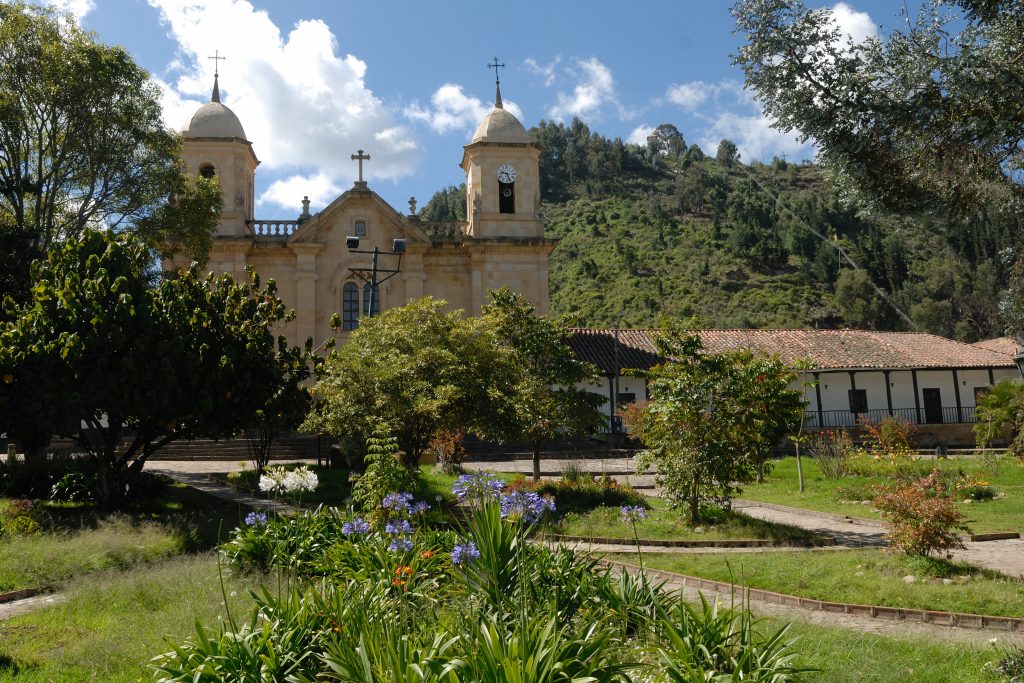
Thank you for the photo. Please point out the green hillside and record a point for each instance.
(663, 228)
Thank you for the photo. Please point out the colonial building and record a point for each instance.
(320, 270)
(925, 379)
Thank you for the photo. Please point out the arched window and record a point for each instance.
(506, 197)
(366, 301)
(207, 171)
(350, 306)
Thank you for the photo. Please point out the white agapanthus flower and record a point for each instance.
(272, 480)
(300, 479)
(280, 480)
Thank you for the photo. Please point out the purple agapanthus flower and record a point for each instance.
(356, 527)
(400, 545)
(398, 526)
(479, 485)
(400, 502)
(631, 514)
(463, 552)
(420, 507)
(525, 506)
(255, 519)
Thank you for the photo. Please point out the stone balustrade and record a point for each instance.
(273, 229)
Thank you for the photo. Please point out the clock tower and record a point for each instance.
(502, 178)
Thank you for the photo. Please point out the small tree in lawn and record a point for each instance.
(546, 404)
(773, 408)
(698, 424)
(126, 367)
(413, 371)
(287, 407)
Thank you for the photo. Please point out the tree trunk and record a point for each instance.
(759, 466)
(799, 468)
(110, 489)
(694, 503)
(536, 459)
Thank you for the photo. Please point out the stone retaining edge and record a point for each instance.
(11, 596)
(923, 616)
(821, 542)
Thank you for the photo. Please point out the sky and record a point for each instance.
(407, 80)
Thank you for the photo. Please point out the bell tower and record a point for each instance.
(215, 145)
(502, 166)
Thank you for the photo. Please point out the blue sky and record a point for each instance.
(407, 80)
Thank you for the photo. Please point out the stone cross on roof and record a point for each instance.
(360, 157)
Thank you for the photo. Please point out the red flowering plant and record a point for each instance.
(921, 516)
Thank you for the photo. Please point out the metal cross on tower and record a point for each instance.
(497, 81)
(217, 59)
(496, 65)
(360, 157)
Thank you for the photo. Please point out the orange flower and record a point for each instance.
(427, 554)
(403, 570)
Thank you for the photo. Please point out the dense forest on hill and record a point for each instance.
(665, 228)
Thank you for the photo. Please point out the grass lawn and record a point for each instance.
(1002, 514)
(846, 656)
(76, 539)
(666, 524)
(867, 577)
(114, 622)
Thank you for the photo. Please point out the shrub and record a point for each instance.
(383, 475)
(831, 451)
(1009, 667)
(891, 438)
(920, 517)
(450, 448)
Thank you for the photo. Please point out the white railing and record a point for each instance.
(273, 229)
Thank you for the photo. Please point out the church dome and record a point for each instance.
(501, 127)
(214, 120)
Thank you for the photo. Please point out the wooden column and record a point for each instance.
(817, 395)
(917, 396)
(956, 393)
(888, 391)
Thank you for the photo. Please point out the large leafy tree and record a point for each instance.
(126, 365)
(413, 371)
(709, 420)
(82, 143)
(546, 401)
(927, 116)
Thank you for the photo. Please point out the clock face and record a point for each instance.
(506, 173)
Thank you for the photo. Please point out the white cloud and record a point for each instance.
(857, 26)
(76, 8)
(640, 134)
(690, 96)
(548, 71)
(595, 88)
(303, 103)
(289, 192)
(452, 109)
(754, 137)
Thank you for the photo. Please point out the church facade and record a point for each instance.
(322, 263)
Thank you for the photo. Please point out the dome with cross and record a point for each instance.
(214, 120)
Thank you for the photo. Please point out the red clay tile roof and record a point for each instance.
(1006, 345)
(826, 349)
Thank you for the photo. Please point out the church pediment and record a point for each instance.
(339, 218)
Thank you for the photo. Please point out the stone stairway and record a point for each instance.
(293, 447)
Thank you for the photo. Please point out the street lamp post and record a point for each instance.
(397, 249)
